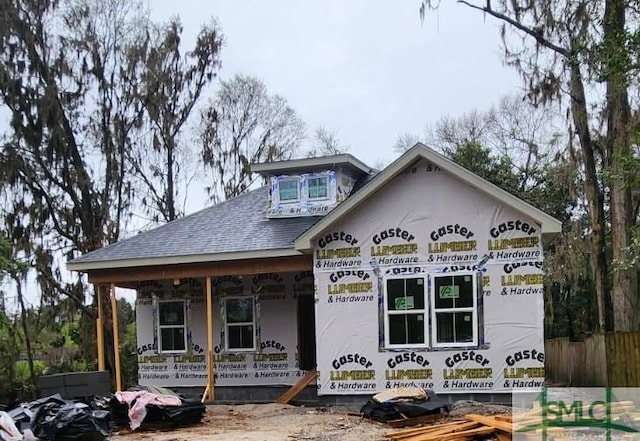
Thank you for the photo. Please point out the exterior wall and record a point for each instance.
(427, 222)
(273, 364)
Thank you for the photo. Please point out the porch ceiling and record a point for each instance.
(128, 277)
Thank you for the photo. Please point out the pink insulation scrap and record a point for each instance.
(142, 399)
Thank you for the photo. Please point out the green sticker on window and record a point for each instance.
(449, 292)
(404, 303)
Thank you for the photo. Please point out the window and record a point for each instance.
(444, 316)
(172, 332)
(405, 313)
(317, 187)
(454, 313)
(288, 190)
(240, 323)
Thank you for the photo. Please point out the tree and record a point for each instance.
(326, 143)
(171, 85)
(565, 50)
(80, 81)
(62, 159)
(242, 125)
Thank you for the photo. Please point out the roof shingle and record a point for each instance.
(236, 225)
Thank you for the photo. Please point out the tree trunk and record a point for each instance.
(170, 199)
(595, 199)
(27, 335)
(623, 292)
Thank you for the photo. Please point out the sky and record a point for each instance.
(368, 70)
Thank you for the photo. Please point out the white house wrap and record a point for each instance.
(423, 225)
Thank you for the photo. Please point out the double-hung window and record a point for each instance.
(444, 315)
(289, 190)
(454, 314)
(406, 317)
(240, 323)
(172, 326)
(317, 187)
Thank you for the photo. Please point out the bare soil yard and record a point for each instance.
(268, 422)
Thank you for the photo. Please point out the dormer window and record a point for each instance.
(288, 189)
(317, 187)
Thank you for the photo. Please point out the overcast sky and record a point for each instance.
(370, 70)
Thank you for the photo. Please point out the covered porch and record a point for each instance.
(209, 327)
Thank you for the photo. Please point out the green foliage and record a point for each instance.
(129, 355)
(9, 265)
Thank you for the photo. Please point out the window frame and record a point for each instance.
(288, 179)
(160, 327)
(430, 311)
(424, 311)
(326, 188)
(252, 323)
(473, 309)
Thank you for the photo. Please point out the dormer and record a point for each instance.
(310, 186)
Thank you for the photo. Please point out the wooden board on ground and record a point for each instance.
(491, 422)
(298, 387)
(467, 428)
(406, 422)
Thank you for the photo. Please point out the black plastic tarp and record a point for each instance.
(191, 411)
(405, 408)
(56, 419)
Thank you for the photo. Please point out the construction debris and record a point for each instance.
(470, 427)
(503, 426)
(145, 407)
(403, 404)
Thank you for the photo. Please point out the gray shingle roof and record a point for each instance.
(236, 225)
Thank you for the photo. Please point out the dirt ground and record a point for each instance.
(268, 422)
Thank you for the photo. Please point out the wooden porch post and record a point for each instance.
(211, 369)
(99, 327)
(116, 336)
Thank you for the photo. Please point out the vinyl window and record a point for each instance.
(454, 315)
(431, 311)
(405, 313)
(172, 326)
(288, 190)
(317, 187)
(240, 324)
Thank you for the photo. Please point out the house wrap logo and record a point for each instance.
(527, 283)
(228, 285)
(445, 248)
(268, 286)
(485, 279)
(341, 291)
(455, 377)
(402, 253)
(272, 361)
(399, 270)
(523, 369)
(340, 257)
(516, 248)
(229, 366)
(352, 372)
(408, 369)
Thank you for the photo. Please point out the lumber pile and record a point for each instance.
(470, 427)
